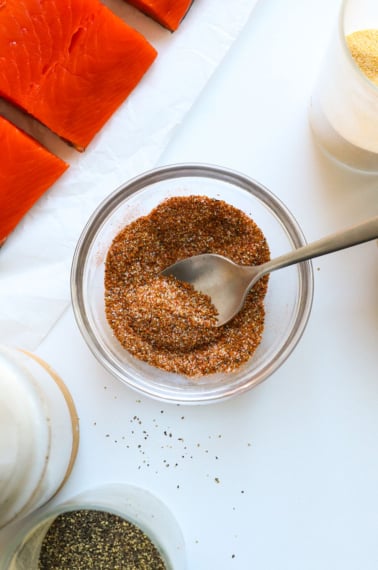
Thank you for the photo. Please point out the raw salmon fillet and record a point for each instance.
(27, 170)
(69, 63)
(169, 13)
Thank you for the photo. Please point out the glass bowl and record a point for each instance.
(133, 504)
(287, 303)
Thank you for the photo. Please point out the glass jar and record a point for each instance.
(39, 434)
(129, 502)
(344, 104)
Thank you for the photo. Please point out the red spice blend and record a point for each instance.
(165, 322)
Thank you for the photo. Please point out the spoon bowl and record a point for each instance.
(227, 283)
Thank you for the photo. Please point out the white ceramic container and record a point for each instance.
(39, 434)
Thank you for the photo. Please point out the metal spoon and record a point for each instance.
(228, 283)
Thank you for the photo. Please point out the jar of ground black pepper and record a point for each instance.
(111, 526)
(38, 434)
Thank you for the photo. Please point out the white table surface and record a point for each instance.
(285, 476)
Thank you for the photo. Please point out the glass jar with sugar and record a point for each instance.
(344, 104)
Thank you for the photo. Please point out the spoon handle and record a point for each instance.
(346, 238)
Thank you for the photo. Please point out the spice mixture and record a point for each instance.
(85, 539)
(363, 46)
(165, 322)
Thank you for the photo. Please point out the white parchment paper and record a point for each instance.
(35, 261)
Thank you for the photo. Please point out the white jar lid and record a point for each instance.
(24, 436)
